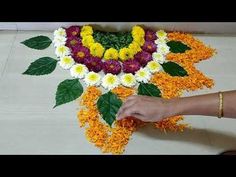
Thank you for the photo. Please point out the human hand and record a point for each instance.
(146, 108)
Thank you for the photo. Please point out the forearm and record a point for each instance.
(207, 105)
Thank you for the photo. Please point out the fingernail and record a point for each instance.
(118, 117)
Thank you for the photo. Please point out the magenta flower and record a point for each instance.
(94, 64)
(150, 35)
(149, 46)
(73, 31)
(80, 53)
(112, 66)
(73, 42)
(143, 58)
(131, 66)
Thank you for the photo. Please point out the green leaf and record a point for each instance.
(174, 69)
(42, 66)
(67, 91)
(149, 90)
(108, 105)
(177, 47)
(39, 42)
(115, 40)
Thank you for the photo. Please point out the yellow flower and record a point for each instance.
(111, 53)
(137, 30)
(87, 41)
(97, 50)
(86, 31)
(138, 35)
(139, 39)
(125, 54)
(135, 47)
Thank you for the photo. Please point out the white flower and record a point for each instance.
(62, 51)
(161, 34)
(143, 75)
(153, 66)
(59, 40)
(158, 57)
(128, 80)
(78, 71)
(66, 62)
(163, 49)
(110, 81)
(92, 79)
(60, 32)
(160, 41)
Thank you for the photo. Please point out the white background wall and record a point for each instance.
(194, 27)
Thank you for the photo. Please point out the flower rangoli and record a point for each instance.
(107, 67)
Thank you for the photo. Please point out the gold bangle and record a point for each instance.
(220, 114)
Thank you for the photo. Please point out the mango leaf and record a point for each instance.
(108, 105)
(39, 42)
(149, 90)
(174, 69)
(67, 91)
(177, 47)
(42, 66)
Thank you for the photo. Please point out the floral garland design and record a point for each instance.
(126, 66)
(115, 65)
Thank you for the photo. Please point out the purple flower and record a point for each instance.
(150, 35)
(149, 46)
(94, 64)
(131, 66)
(73, 42)
(112, 66)
(143, 58)
(80, 53)
(73, 31)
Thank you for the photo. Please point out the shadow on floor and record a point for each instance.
(195, 136)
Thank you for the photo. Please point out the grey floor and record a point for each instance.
(29, 125)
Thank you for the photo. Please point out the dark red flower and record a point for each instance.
(149, 46)
(131, 66)
(143, 58)
(112, 66)
(80, 53)
(94, 64)
(150, 35)
(73, 42)
(73, 31)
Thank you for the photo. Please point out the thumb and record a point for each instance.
(139, 116)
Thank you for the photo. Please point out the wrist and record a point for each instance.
(174, 107)
(195, 105)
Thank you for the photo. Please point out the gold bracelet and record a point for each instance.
(220, 114)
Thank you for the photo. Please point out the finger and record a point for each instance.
(127, 112)
(133, 97)
(125, 106)
(139, 116)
